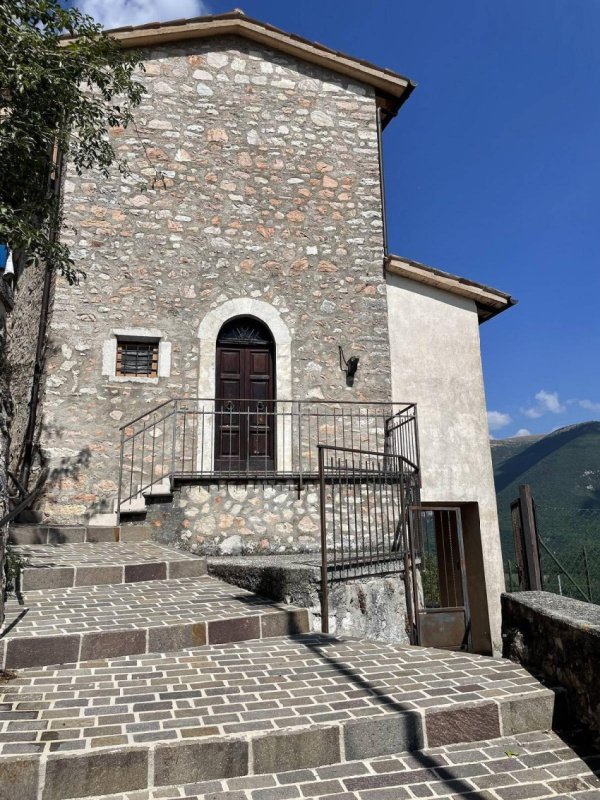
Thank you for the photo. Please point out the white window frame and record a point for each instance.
(109, 354)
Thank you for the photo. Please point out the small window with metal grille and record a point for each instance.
(137, 359)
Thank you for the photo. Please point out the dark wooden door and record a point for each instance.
(245, 407)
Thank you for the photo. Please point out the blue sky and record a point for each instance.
(492, 168)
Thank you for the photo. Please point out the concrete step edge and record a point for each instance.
(81, 575)
(128, 768)
(77, 534)
(75, 648)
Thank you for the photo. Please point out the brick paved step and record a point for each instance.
(66, 565)
(73, 534)
(251, 707)
(537, 765)
(60, 626)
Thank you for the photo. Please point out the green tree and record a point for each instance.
(57, 96)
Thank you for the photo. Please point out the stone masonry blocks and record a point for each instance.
(398, 732)
(285, 623)
(176, 637)
(95, 774)
(470, 724)
(200, 761)
(233, 630)
(268, 189)
(19, 779)
(40, 650)
(112, 643)
(287, 751)
(522, 714)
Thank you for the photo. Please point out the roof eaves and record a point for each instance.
(391, 87)
(489, 301)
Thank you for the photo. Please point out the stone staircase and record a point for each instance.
(140, 677)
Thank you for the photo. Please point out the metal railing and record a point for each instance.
(192, 438)
(365, 502)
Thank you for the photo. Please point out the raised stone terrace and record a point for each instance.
(60, 566)
(165, 687)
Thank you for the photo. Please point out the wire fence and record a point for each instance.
(569, 540)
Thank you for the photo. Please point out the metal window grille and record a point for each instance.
(138, 359)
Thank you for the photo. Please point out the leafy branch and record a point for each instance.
(58, 97)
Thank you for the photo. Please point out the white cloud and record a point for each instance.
(497, 420)
(589, 405)
(118, 13)
(523, 432)
(547, 402)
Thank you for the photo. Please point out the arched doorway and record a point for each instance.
(245, 397)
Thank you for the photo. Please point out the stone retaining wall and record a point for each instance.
(233, 519)
(371, 607)
(558, 639)
(221, 519)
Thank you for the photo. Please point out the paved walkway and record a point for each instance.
(82, 623)
(272, 685)
(533, 765)
(65, 565)
(139, 677)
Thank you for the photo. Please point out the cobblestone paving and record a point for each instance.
(534, 765)
(99, 554)
(259, 687)
(82, 623)
(66, 565)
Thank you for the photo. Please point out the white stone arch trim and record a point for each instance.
(207, 336)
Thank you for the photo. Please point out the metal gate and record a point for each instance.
(438, 578)
(365, 497)
(372, 525)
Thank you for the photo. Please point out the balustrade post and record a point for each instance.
(121, 461)
(174, 443)
(300, 476)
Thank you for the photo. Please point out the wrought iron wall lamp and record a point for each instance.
(349, 366)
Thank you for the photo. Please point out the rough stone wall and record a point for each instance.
(558, 639)
(368, 608)
(23, 327)
(6, 304)
(251, 175)
(234, 519)
(229, 519)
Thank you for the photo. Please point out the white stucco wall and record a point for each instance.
(436, 362)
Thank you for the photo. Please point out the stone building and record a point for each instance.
(233, 277)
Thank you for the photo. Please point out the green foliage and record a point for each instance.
(13, 564)
(430, 580)
(55, 93)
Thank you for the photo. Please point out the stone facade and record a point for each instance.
(254, 189)
(252, 175)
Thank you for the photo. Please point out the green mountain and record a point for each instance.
(563, 470)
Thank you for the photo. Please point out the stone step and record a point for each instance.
(135, 533)
(538, 765)
(76, 534)
(66, 565)
(247, 708)
(59, 626)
